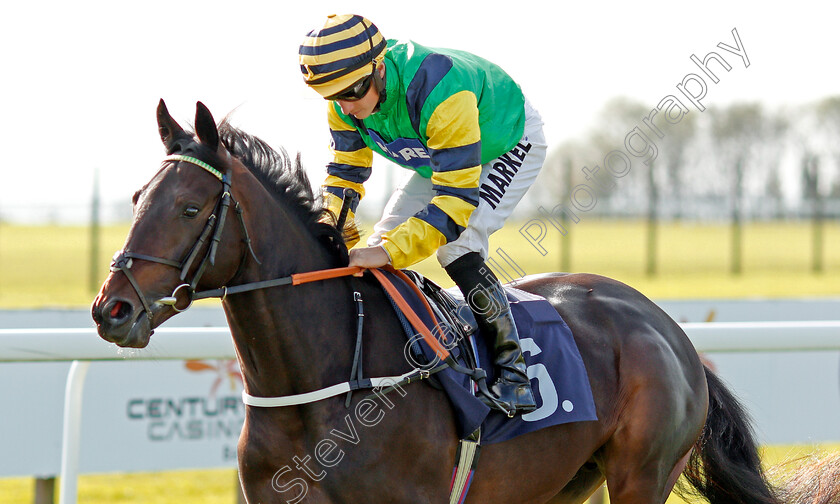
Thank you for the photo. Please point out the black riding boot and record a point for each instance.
(487, 300)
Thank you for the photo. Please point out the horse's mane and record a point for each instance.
(287, 181)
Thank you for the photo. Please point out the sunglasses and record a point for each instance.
(355, 92)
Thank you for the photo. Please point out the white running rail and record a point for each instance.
(81, 346)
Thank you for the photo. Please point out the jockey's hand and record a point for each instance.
(369, 257)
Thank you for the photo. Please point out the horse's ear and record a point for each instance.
(167, 127)
(205, 126)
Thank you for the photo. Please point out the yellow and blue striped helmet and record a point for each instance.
(345, 50)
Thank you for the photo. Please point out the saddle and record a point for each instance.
(455, 322)
(558, 376)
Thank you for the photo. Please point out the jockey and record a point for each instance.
(472, 139)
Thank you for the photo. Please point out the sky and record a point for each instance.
(81, 80)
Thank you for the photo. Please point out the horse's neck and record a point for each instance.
(283, 340)
(284, 335)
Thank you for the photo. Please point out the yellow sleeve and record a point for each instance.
(454, 143)
(350, 167)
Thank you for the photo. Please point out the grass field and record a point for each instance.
(220, 486)
(48, 266)
(51, 266)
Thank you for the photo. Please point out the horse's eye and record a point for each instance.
(191, 211)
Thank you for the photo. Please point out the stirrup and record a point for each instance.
(514, 405)
(487, 397)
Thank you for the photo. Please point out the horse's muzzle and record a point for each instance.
(119, 322)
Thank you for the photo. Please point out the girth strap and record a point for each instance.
(466, 459)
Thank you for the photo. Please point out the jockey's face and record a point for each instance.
(363, 107)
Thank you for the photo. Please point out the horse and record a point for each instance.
(660, 412)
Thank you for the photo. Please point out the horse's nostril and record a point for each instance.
(119, 310)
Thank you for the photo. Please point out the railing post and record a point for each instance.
(72, 432)
(44, 490)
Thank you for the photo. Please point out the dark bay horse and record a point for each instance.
(660, 412)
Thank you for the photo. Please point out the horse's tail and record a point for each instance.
(724, 466)
(815, 480)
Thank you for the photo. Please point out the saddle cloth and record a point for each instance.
(558, 376)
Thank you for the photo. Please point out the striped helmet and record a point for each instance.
(342, 52)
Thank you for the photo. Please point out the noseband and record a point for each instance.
(124, 259)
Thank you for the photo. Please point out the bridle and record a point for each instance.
(124, 259)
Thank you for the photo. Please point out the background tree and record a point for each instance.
(736, 131)
(828, 134)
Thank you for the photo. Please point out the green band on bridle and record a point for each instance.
(197, 162)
